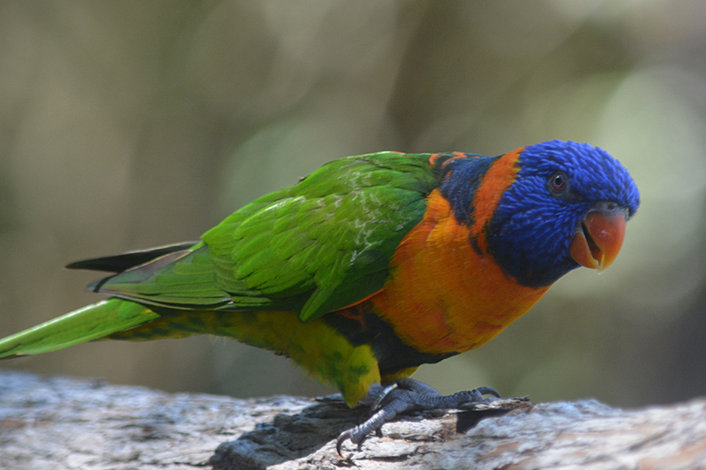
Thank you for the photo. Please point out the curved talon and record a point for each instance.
(356, 435)
(487, 391)
(345, 435)
(414, 385)
(359, 433)
(467, 400)
(381, 397)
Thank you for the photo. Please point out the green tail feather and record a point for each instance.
(85, 324)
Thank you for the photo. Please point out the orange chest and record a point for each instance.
(444, 295)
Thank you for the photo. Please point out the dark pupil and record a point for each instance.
(558, 182)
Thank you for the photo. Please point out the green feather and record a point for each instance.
(85, 324)
(177, 280)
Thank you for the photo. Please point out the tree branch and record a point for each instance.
(58, 422)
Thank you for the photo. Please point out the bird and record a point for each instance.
(369, 267)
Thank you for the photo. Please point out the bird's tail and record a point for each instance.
(85, 324)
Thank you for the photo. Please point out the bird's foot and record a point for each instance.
(408, 394)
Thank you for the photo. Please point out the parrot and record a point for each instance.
(369, 267)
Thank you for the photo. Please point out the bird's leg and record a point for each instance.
(407, 394)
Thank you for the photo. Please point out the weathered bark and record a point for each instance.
(57, 423)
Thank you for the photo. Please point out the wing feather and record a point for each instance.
(315, 247)
(338, 226)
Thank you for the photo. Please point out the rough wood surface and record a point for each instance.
(64, 423)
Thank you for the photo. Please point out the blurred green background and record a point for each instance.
(130, 124)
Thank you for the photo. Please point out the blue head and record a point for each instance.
(567, 207)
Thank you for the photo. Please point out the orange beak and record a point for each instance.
(599, 237)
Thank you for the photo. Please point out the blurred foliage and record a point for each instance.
(130, 124)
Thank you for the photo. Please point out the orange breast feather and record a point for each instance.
(444, 295)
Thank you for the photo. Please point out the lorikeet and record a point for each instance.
(370, 266)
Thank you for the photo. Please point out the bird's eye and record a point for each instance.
(559, 182)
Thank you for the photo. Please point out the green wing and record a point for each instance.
(314, 247)
(180, 279)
